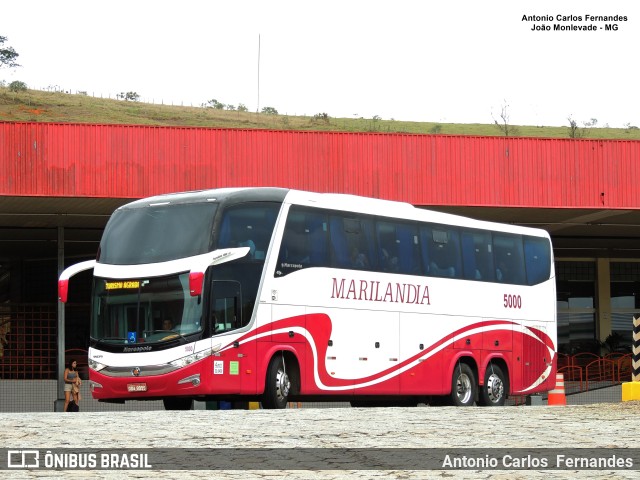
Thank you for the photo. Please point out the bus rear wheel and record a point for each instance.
(494, 391)
(278, 386)
(463, 386)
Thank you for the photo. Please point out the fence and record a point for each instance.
(589, 371)
(29, 341)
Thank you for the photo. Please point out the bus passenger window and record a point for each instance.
(444, 254)
(399, 248)
(248, 225)
(477, 256)
(509, 258)
(304, 241)
(537, 254)
(352, 242)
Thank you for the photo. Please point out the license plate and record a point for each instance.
(137, 387)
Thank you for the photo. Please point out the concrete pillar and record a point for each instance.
(603, 286)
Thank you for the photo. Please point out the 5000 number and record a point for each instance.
(512, 301)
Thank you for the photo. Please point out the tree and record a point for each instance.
(242, 107)
(269, 111)
(17, 86)
(321, 117)
(7, 55)
(129, 96)
(576, 132)
(213, 103)
(503, 125)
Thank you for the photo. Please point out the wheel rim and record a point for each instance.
(283, 385)
(495, 388)
(463, 388)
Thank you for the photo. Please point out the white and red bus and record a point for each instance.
(281, 295)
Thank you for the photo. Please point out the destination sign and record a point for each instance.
(121, 285)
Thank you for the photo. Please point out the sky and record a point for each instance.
(414, 60)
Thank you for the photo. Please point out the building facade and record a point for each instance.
(60, 183)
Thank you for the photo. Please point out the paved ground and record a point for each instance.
(530, 428)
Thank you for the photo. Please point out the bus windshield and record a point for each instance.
(141, 311)
(157, 233)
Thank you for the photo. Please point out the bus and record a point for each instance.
(278, 295)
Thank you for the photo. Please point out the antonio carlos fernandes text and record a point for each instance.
(534, 462)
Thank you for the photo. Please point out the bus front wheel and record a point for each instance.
(276, 392)
(463, 386)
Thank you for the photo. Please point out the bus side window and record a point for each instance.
(444, 253)
(339, 247)
(387, 246)
(477, 256)
(425, 245)
(408, 249)
(352, 242)
(316, 233)
(398, 246)
(509, 258)
(248, 225)
(291, 239)
(537, 255)
(304, 241)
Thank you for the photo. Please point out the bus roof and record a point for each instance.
(333, 201)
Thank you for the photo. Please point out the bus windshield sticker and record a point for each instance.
(234, 368)
(218, 367)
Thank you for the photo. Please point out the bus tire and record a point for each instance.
(463, 386)
(278, 385)
(177, 403)
(494, 391)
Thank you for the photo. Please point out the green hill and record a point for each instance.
(41, 106)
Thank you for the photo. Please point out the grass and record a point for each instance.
(42, 106)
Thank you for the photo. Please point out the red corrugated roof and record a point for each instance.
(125, 161)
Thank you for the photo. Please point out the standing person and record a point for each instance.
(71, 384)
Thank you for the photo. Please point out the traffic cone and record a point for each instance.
(557, 396)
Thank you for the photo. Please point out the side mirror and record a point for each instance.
(63, 281)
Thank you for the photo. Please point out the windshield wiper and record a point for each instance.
(110, 341)
(168, 333)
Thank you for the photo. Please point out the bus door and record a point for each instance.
(230, 365)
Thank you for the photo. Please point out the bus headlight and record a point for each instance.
(97, 366)
(189, 359)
